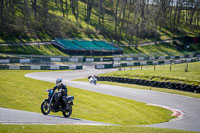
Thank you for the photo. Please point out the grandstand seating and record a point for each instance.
(105, 45)
(83, 47)
(88, 45)
(68, 44)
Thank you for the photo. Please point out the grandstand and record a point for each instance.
(83, 47)
(69, 44)
(87, 45)
(105, 45)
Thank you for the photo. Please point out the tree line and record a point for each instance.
(131, 19)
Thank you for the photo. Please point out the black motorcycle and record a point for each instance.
(55, 103)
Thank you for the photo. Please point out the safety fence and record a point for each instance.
(39, 67)
(77, 59)
(144, 63)
(37, 59)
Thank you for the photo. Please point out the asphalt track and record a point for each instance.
(11, 116)
(190, 107)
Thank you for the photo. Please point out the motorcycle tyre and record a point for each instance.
(67, 113)
(42, 109)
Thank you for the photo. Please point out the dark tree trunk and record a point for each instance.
(34, 7)
(74, 6)
(1, 17)
(66, 6)
(124, 15)
(116, 15)
(90, 4)
(62, 8)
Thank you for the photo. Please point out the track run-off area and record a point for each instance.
(185, 108)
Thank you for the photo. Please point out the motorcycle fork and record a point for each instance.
(49, 106)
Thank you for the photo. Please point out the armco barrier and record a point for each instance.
(25, 67)
(38, 67)
(40, 59)
(4, 67)
(142, 63)
(169, 85)
(14, 61)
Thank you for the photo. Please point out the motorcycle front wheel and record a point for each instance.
(45, 108)
(67, 112)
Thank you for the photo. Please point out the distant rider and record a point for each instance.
(93, 80)
(62, 91)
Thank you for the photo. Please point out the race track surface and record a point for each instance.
(11, 116)
(189, 106)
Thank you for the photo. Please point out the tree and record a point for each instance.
(90, 4)
(124, 14)
(116, 14)
(1, 17)
(74, 6)
(101, 15)
(62, 7)
(34, 7)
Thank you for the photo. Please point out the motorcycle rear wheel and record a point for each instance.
(68, 112)
(45, 107)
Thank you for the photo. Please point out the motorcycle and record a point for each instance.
(93, 80)
(54, 103)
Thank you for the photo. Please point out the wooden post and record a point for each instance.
(170, 69)
(186, 68)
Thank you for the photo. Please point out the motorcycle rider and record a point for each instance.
(93, 80)
(62, 91)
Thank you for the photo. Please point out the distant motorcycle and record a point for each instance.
(64, 105)
(93, 80)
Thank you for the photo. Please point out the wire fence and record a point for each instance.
(183, 67)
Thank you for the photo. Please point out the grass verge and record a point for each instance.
(163, 73)
(183, 93)
(83, 129)
(31, 49)
(19, 92)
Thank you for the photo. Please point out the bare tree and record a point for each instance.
(74, 6)
(1, 17)
(101, 15)
(116, 14)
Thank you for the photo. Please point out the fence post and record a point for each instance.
(120, 67)
(141, 67)
(170, 69)
(154, 67)
(186, 68)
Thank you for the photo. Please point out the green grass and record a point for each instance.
(70, 28)
(162, 49)
(19, 92)
(190, 94)
(42, 36)
(83, 129)
(163, 73)
(31, 49)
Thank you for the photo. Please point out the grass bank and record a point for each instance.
(163, 49)
(190, 94)
(19, 92)
(161, 73)
(31, 49)
(83, 129)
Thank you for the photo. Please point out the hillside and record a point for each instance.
(31, 50)
(121, 21)
(162, 49)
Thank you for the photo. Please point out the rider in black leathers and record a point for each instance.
(62, 91)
